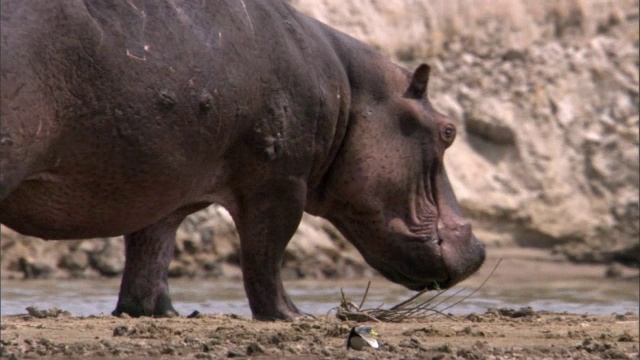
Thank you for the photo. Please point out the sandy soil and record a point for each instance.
(499, 333)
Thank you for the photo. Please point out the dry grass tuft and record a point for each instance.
(410, 308)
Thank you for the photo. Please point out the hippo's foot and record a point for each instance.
(278, 312)
(159, 306)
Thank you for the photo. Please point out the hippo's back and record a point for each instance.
(115, 115)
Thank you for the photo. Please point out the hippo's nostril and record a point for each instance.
(454, 228)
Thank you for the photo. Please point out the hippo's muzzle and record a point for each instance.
(429, 262)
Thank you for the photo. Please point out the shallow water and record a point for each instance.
(94, 297)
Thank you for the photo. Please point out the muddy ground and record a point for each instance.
(498, 333)
(494, 333)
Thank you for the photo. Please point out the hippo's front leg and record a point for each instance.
(267, 222)
(144, 290)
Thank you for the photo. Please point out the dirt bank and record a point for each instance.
(498, 333)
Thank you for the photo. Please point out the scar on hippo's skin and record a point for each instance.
(206, 101)
(167, 99)
(244, 7)
(272, 150)
(5, 139)
(129, 54)
(39, 128)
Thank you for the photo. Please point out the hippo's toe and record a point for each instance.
(162, 307)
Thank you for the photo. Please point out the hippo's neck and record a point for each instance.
(368, 77)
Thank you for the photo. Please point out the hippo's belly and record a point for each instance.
(54, 206)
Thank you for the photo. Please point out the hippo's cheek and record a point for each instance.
(414, 264)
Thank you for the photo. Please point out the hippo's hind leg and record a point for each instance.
(144, 290)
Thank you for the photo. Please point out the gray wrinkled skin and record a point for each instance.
(124, 118)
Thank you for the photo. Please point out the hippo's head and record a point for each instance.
(388, 191)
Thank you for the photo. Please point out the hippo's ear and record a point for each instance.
(418, 87)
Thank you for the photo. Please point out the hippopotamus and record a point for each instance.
(122, 118)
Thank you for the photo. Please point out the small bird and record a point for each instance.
(361, 336)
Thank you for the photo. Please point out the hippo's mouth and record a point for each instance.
(411, 283)
(411, 271)
(415, 260)
(444, 265)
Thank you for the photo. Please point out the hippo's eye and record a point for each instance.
(448, 133)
